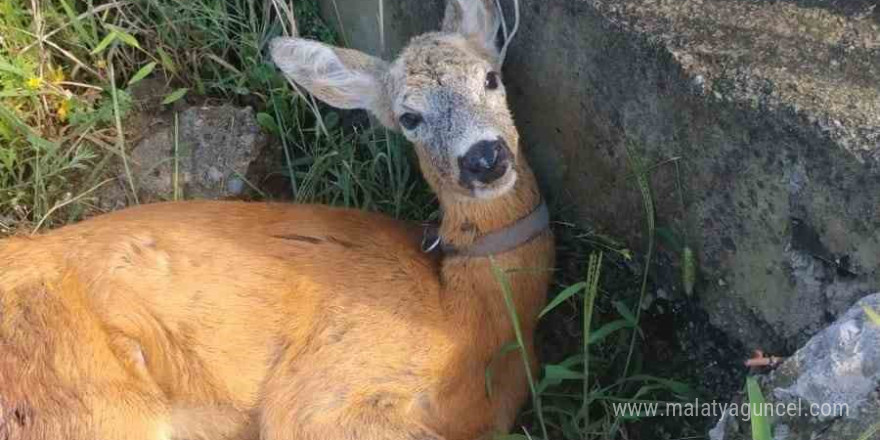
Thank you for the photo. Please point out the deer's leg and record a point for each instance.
(132, 416)
(288, 422)
(309, 400)
(63, 376)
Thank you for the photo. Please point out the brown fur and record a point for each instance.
(216, 320)
(224, 320)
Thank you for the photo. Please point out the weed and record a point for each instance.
(64, 78)
(581, 396)
(58, 104)
(648, 201)
(873, 315)
(760, 420)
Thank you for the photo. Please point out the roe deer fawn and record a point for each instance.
(229, 320)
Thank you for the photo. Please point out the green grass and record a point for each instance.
(66, 70)
(66, 73)
(56, 109)
(760, 420)
(573, 398)
(507, 293)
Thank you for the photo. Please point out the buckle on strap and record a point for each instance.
(496, 242)
(430, 238)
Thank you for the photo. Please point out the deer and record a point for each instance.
(258, 320)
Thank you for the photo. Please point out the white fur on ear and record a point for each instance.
(473, 18)
(342, 78)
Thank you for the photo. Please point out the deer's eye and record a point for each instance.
(492, 80)
(410, 121)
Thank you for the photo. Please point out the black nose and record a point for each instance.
(485, 161)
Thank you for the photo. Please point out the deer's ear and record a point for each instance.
(343, 78)
(475, 19)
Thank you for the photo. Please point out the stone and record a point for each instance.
(218, 148)
(832, 381)
(737, 110)
(216, 145)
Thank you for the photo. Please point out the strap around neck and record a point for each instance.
(495, 242)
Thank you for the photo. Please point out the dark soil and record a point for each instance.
(679, 343)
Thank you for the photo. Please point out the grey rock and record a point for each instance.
(778, 150)
(836, 373)
(215, 150)
(114, 195)
(235, 186)
(839, 366)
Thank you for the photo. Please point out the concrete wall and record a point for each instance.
(358, 22)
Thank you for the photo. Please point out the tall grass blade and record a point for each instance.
(282, 133)
(641, 175)
(873, 315)
(60, 205)
(688, 270)
(142, 73)
(124, 36)
(120, 134)
(567, 293)
(176, 176)
(507, 292)
(760, 421)
(870, 433)
(77, 23)
(109, 39)
(504, 350)
(175, 96)
(594, 269)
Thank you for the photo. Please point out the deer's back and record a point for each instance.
(201, 300)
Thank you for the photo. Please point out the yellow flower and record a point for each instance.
(58, 75)
(63, 110)
(34, 83)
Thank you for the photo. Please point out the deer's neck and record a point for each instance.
(465, 220)
(471, 292)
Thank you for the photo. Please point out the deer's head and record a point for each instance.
(443, 92)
